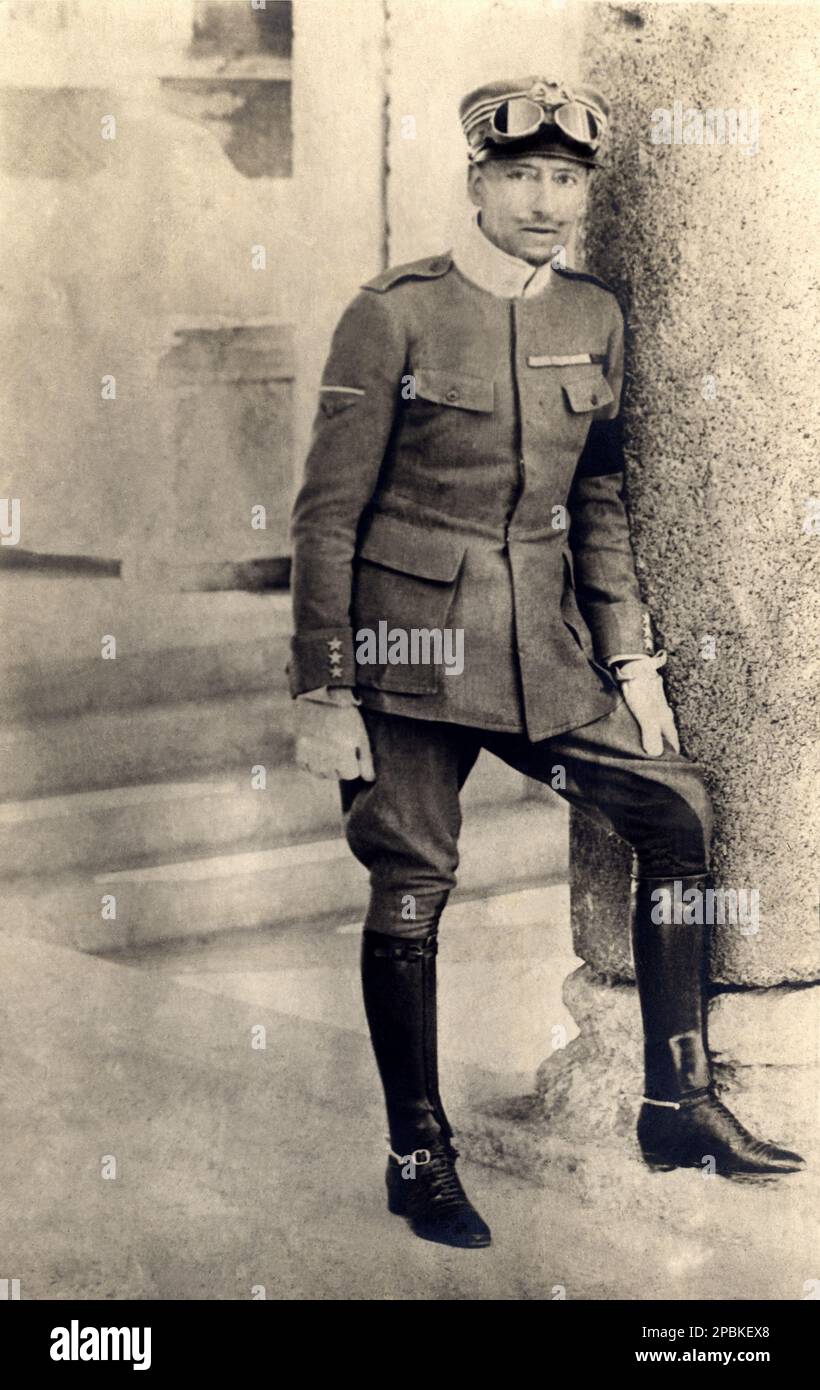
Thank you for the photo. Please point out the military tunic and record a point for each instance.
(465, 472)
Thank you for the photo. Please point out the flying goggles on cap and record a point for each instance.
(579, 116)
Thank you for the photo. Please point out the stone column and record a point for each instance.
(709, 247)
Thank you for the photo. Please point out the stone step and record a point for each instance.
(162, 820)
(487, 928)
(121, 747)
(54, 690)
(503, 960)
(143, 617)
(136, 824)
(169, 647)
(502, 847)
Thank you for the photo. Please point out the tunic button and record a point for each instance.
(452, 394)
(594, 400)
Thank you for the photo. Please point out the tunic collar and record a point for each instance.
(494, 270)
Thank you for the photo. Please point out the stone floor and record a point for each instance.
(151, 1150)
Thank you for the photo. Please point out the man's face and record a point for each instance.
(529, 205)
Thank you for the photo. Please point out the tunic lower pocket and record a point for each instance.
(405, 582)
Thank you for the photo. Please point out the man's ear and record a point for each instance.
(474, 181)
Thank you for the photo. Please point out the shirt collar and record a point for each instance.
(494, 270)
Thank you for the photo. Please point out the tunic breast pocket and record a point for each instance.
(456, 389)
(586, 391)
(404, 587)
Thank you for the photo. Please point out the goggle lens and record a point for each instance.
(520, 116)
(578, 122)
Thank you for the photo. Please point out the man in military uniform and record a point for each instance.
(466, 476)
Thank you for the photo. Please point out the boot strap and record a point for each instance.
(413, 1157)
(401, 948)
(682, 1103)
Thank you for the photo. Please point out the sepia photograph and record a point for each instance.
(410, 713)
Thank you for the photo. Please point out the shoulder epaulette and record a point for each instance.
(430, 268)
(583, 275)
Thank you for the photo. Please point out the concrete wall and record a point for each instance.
(132, 257)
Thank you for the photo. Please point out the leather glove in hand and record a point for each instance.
(331, 737)
(643, 692)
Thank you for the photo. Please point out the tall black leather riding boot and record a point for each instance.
(399, 985)
(682, 1122)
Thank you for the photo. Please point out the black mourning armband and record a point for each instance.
(603, 452)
